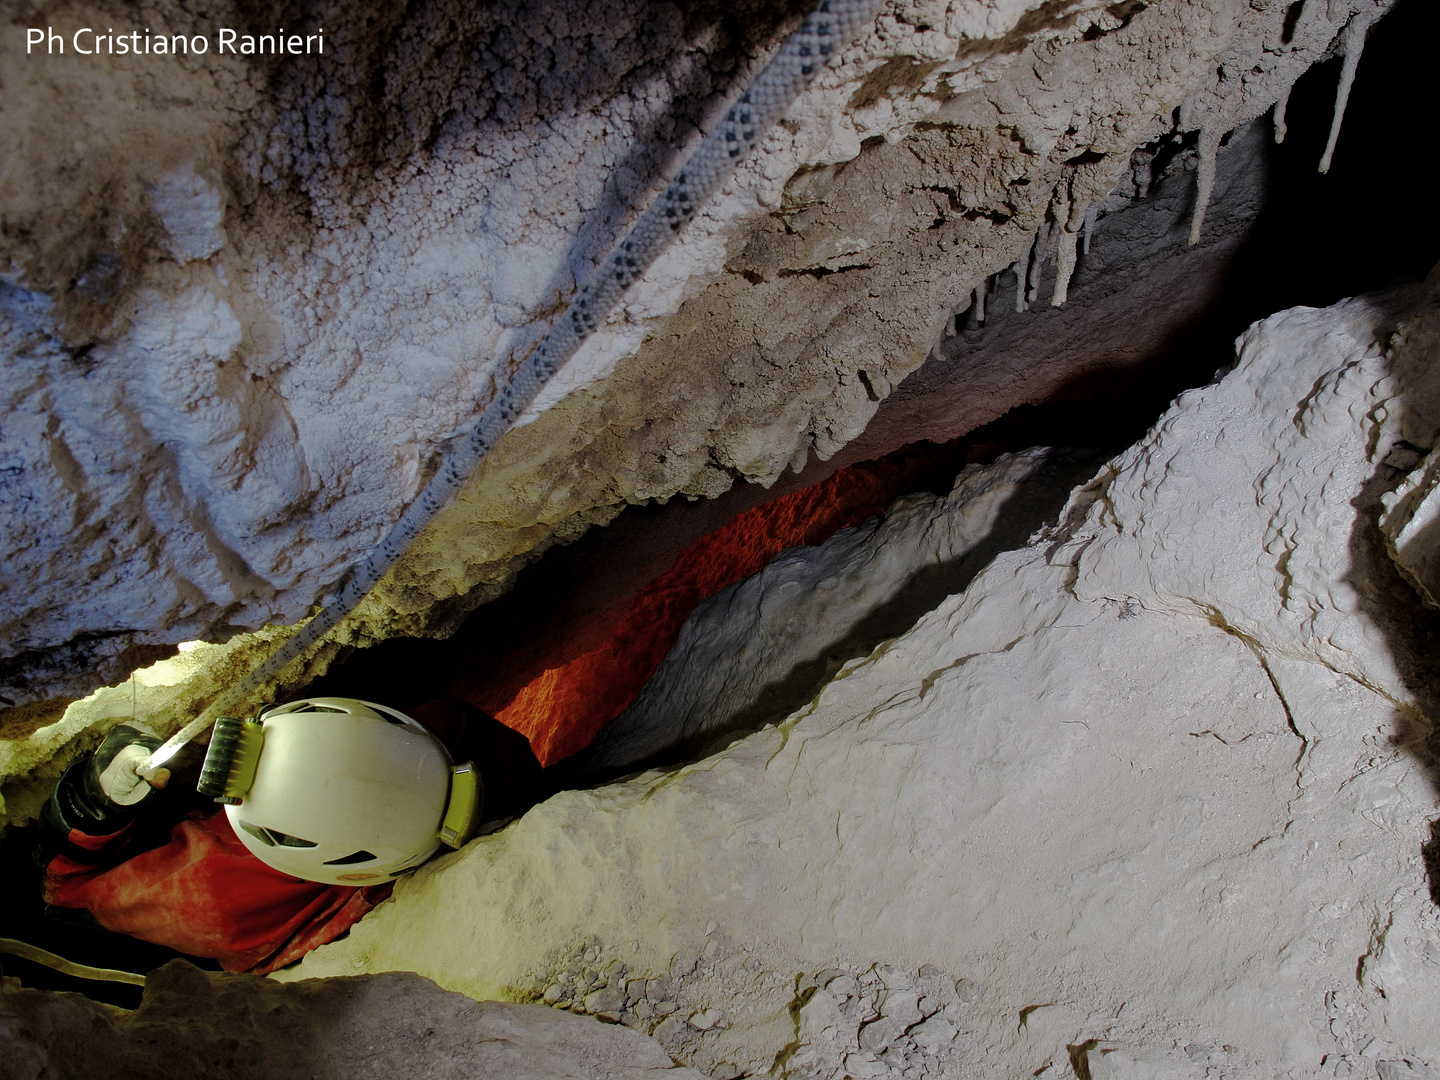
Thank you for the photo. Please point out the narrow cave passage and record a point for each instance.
(573, 645)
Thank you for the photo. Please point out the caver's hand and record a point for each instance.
(113, 774)
(100, 794)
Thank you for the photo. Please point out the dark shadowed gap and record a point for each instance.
(1363, 226)
(72, 934)
(1431, 854)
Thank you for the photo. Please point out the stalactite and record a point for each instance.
(1355, 33)
(977, 303)
(1064, 267)
(1091, 213)
(954, 323)
(1021, 270)
(1280, 107)
(1204, 177)
(1077, 220)
(1143, 171)
(1036, 263)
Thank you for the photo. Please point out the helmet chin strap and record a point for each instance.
(833, 25)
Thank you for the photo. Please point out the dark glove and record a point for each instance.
(102, 793)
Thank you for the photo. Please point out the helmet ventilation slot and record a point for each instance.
(286, 840)
(353, 857)
(274, 838)
(259, 833)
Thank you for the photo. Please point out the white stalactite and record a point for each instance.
(977, 308)
(953, 323)
(1280, 107)
(1077, 219)
(1036, 263)
(1355, 33)
(1064, 267)
(1204, 177)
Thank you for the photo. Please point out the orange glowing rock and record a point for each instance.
(563, 709)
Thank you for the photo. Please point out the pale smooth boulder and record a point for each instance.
(751, 652)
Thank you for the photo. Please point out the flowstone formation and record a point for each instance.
(1147, 798)
(247, 304)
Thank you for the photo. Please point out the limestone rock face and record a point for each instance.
(247, 304)
(199, 1026)
(1146, 798)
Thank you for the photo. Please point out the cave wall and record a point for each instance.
(234, 353)
(1145, 320)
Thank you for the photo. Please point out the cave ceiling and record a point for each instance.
(249, 305)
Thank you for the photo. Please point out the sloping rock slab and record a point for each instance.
(195, 1025)
(761, 647)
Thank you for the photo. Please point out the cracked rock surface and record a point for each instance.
(1147, 798)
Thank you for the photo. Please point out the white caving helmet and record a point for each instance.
(339, 790)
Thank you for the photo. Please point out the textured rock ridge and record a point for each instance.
(1409, 524)
(234, 354)
(196, 1025)
(1146, 798)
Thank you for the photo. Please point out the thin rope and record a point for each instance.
(833, 25)
(67, 967)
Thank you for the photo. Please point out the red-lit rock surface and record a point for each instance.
(605, 610)
(562, 709)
